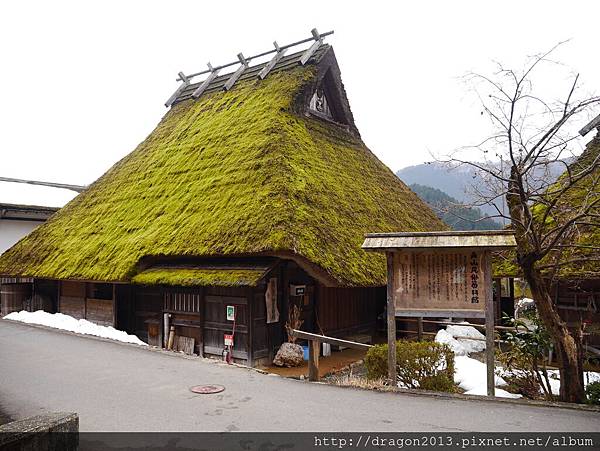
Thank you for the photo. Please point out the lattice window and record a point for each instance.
(183, 302)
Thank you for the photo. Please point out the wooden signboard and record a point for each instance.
(440, 274)
(441, 283)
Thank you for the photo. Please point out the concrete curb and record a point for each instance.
(397, 391)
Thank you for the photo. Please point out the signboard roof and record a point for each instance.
(491, 239)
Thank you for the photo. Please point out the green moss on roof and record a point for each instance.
(199, 277)
(586, 237)
(233, 173)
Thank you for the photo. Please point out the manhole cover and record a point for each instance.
(207, 389)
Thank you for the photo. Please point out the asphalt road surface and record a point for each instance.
(120, 387)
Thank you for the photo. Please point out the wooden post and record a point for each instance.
(489, 324)
(114, 305)
(391, 320)
(420, 328)
(313, 360)
(171, 339)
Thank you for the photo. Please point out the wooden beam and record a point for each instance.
(325, 339)
(237, 74)
(271, 64)
(489, 324)
(76, 188)
(595, 123)
(420, 328)
(313, 48)
(204, 85)
(258, 55)
(433, 313)
(391, 320)
(184, 84)
(313, 360)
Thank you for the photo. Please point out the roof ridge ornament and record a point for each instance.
(279, 52)
(594, 123)
(213, 74)
(271, 64)
(185, 84)
(238, 73)
(313, 48)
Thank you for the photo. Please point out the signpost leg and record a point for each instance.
(489, 325)
(391, 322)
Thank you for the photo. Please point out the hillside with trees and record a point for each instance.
(452, 211)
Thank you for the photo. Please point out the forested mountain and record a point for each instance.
(456, 182)
(452, 212)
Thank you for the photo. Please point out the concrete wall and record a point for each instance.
(12, 230)
(53, 431)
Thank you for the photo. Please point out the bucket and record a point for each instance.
(305, 351)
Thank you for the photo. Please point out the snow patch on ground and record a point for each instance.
(471, 376)
(461, 346)
(66, 322)
(522, 305)
(554, 377)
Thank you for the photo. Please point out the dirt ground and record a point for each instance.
(337, 361)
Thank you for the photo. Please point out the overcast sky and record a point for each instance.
(82, 82)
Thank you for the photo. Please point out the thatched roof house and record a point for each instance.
(269, 179)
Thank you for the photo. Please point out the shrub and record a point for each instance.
(523, 360)
(592, 392)
(420, 364)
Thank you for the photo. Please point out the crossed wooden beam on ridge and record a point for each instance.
(244, 64)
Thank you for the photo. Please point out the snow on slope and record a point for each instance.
(470, 374)
(66, 322)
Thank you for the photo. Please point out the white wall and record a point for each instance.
(12, 231)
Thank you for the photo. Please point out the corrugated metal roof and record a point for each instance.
(494, 239)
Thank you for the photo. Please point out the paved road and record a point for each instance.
(119, 387)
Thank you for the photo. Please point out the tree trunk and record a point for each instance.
(568, 344)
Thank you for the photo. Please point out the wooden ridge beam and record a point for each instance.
(313, 48)
(271, 64)
(204, 85)
(238, 73)
(185, 83)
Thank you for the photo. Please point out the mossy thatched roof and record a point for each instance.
(223, 277)
(237, 173)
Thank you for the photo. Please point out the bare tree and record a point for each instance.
(531, 133)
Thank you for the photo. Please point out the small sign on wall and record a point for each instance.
(231, 313)
(297, 290)
(228, 339)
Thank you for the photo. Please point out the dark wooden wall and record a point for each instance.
(579, 302)
(200, 312)
(84, 300)
(347, 311)
(216, 325)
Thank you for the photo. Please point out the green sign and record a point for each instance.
(230, 313)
